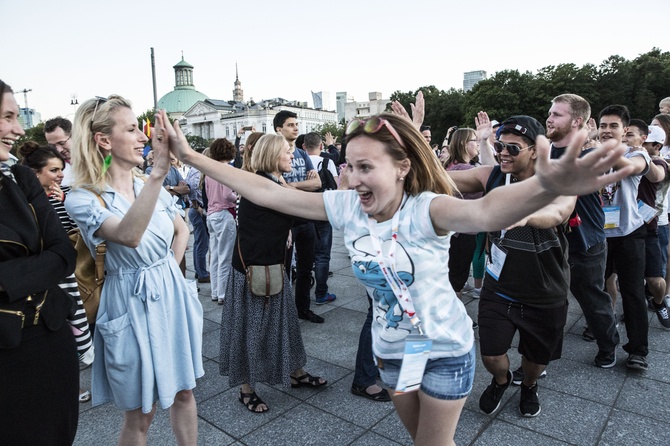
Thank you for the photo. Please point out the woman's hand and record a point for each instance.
(177, 141)
(483, 123)
(160, 146)
(575, 175)
(56, 192)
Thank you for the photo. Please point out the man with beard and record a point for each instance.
(57, 132)
(568, 114)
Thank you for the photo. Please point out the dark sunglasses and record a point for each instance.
(98, 100)
(373, 125)
(512, 149)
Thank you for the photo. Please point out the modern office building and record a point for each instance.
(470, 78)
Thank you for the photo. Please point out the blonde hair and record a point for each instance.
(265, 157)
(93, 116)
(249, 149)
(425, 173)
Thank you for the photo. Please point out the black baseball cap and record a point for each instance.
(521, 125)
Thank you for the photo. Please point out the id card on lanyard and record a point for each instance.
(417, 347)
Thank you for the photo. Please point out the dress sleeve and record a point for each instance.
(89, 214)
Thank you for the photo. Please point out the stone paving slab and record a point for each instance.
(581, 404)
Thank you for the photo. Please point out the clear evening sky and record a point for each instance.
(285, 49)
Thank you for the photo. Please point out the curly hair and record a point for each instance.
(222, 150)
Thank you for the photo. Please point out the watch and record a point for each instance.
(170, 187)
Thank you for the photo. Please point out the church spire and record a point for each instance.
(238, 93)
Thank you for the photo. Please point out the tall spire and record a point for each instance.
(238, 94)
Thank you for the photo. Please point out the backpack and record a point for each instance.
(327, 180)
(89, 271)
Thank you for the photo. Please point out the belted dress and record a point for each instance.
(148, 337)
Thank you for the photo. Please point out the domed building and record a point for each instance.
(184, 95)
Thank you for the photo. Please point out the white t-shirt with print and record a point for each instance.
(422, 259)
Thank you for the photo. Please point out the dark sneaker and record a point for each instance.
(662, 314)
(517, 376)
(311, 316)
(329, 297)
(605, 360)
(489, 402)
(637, 362)
(587, 335)
(650, 304)
(529, 405)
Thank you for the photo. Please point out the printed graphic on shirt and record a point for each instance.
(387, 310)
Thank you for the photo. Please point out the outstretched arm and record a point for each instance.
(308, 205)
(505, 206)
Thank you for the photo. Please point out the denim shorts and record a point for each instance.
(444, 378)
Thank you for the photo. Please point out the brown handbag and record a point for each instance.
(89, 271)
(263, 280)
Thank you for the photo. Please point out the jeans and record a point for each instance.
(222, 235)
(587, 284)
(322, 245)
(303, 241)
(200, 242)
(365, 374)
(626, 257)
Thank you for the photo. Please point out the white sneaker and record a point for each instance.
(476, 293)
(467, 288)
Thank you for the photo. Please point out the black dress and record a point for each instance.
(39, 378)
(260, 337)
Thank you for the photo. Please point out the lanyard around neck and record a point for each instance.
(387, 264)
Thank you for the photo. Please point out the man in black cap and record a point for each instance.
(526, 282)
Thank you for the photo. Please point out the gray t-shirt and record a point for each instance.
(624, 196)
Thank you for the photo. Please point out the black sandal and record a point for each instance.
(253, 402)
(308, 381)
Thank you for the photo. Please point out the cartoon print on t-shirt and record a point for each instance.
(388, 311)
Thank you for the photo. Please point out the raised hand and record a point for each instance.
(572, 175)
(178, 144)
(160, 145)
(483, 125)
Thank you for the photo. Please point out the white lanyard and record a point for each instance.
(387, 266)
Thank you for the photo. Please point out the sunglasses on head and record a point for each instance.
(98, 100)
(373, 125)
(512, 149)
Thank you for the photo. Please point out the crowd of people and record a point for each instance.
(534, 210)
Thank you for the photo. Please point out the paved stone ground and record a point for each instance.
(581, 404)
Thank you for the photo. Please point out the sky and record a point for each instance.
(96, 48)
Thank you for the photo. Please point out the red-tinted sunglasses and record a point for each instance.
(373, 125)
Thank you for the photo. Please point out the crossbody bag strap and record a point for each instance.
(239, 251)
(100, 252)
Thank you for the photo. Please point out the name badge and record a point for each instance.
(417, 351)
(612, 216)
(496, 261)
(647, 212)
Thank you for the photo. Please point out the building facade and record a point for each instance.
(471, 78)
(184, 95)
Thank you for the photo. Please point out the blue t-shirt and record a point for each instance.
(301, 164)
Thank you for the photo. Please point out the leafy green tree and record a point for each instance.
(197, 142)
(35, 133)
(337, 130)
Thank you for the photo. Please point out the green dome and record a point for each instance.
(180, 99)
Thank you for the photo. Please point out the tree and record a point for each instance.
(198, 143)
(337, 130)
(32, 134)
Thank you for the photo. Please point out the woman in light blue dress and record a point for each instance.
(149, 323)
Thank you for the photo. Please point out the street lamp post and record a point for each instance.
(73, 101)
